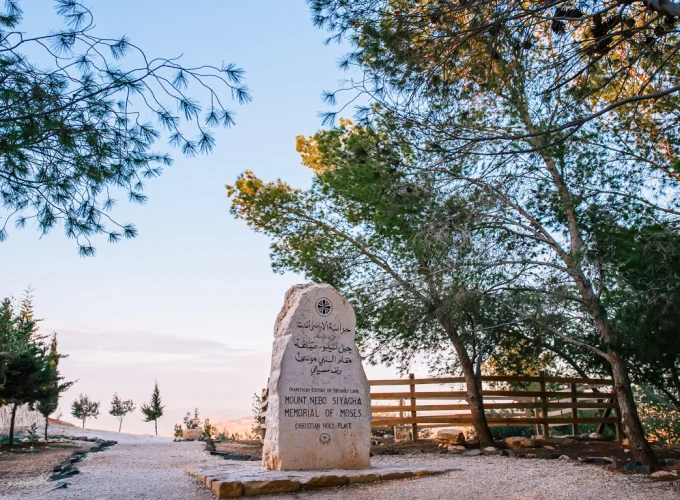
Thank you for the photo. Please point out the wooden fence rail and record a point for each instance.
(506, 406)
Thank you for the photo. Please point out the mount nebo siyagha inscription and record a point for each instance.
(319, 413)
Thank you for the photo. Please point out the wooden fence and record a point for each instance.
(545, 402)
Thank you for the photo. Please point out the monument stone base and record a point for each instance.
(248, 479)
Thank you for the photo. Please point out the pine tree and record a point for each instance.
(25, 368)
(83, 408)
(9, 344)
(120, 408)
(49, 401)
(154, 410)
(71, 128)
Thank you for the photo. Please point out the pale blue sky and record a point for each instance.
(192, 300)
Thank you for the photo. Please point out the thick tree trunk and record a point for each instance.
(47, 422)
(473, 387)
(631, 420)
(632, 426)
(476, 401)
(11, 424)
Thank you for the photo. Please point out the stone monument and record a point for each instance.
(319, 410)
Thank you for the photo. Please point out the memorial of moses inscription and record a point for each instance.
(319, 414)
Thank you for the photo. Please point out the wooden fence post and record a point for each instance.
(401, 415)
(544, 400)
(536, 414)
(414, 413)
(574, 411)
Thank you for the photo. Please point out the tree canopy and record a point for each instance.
(615, 59)
(81, 115)
(557, 126)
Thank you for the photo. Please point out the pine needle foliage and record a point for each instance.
(28, 369)
(120, 408)
(78, 133)
(83, 408)
(154, 409)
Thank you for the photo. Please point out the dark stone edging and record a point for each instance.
(66, 468)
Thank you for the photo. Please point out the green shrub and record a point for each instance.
(661, 423)
(501, 432)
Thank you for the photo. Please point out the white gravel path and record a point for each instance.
(499, 478)
(138, 467)
(149, 467)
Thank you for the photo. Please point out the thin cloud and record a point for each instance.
(72, 341)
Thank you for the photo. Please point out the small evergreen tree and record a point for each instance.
(120, 408)
(25, 370)
(83, 408)
(49, 400)
(258, 417)
(154, 410)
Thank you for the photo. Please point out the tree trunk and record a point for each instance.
(120, 424)
(83, 423)
(473, 386)
(155, 424)
(476, 401)
(640, 448)
(11, 424)
(47, 422)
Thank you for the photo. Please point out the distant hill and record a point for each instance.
(240, 425)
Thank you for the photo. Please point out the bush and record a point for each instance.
(209, 430)
(192, 423)
(661, 423)
(512, 431)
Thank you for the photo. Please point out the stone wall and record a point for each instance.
(24, 419)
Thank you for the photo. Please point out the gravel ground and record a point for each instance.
(496, 478)
(149, 467)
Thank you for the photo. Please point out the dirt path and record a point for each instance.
(145, 467)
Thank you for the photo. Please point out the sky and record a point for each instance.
(190, 302)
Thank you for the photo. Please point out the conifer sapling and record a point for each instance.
(154, 410)
(120, 408)
(83, 408)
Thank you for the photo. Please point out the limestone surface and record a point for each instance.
(451, 436)
(247, 478)
(191, 433)
(319, 410)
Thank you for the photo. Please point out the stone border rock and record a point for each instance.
(250, 481)
(66, 468)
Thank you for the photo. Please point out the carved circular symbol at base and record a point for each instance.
(324, 438)
(324, 306)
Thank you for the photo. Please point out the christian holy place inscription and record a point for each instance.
(319, 401)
